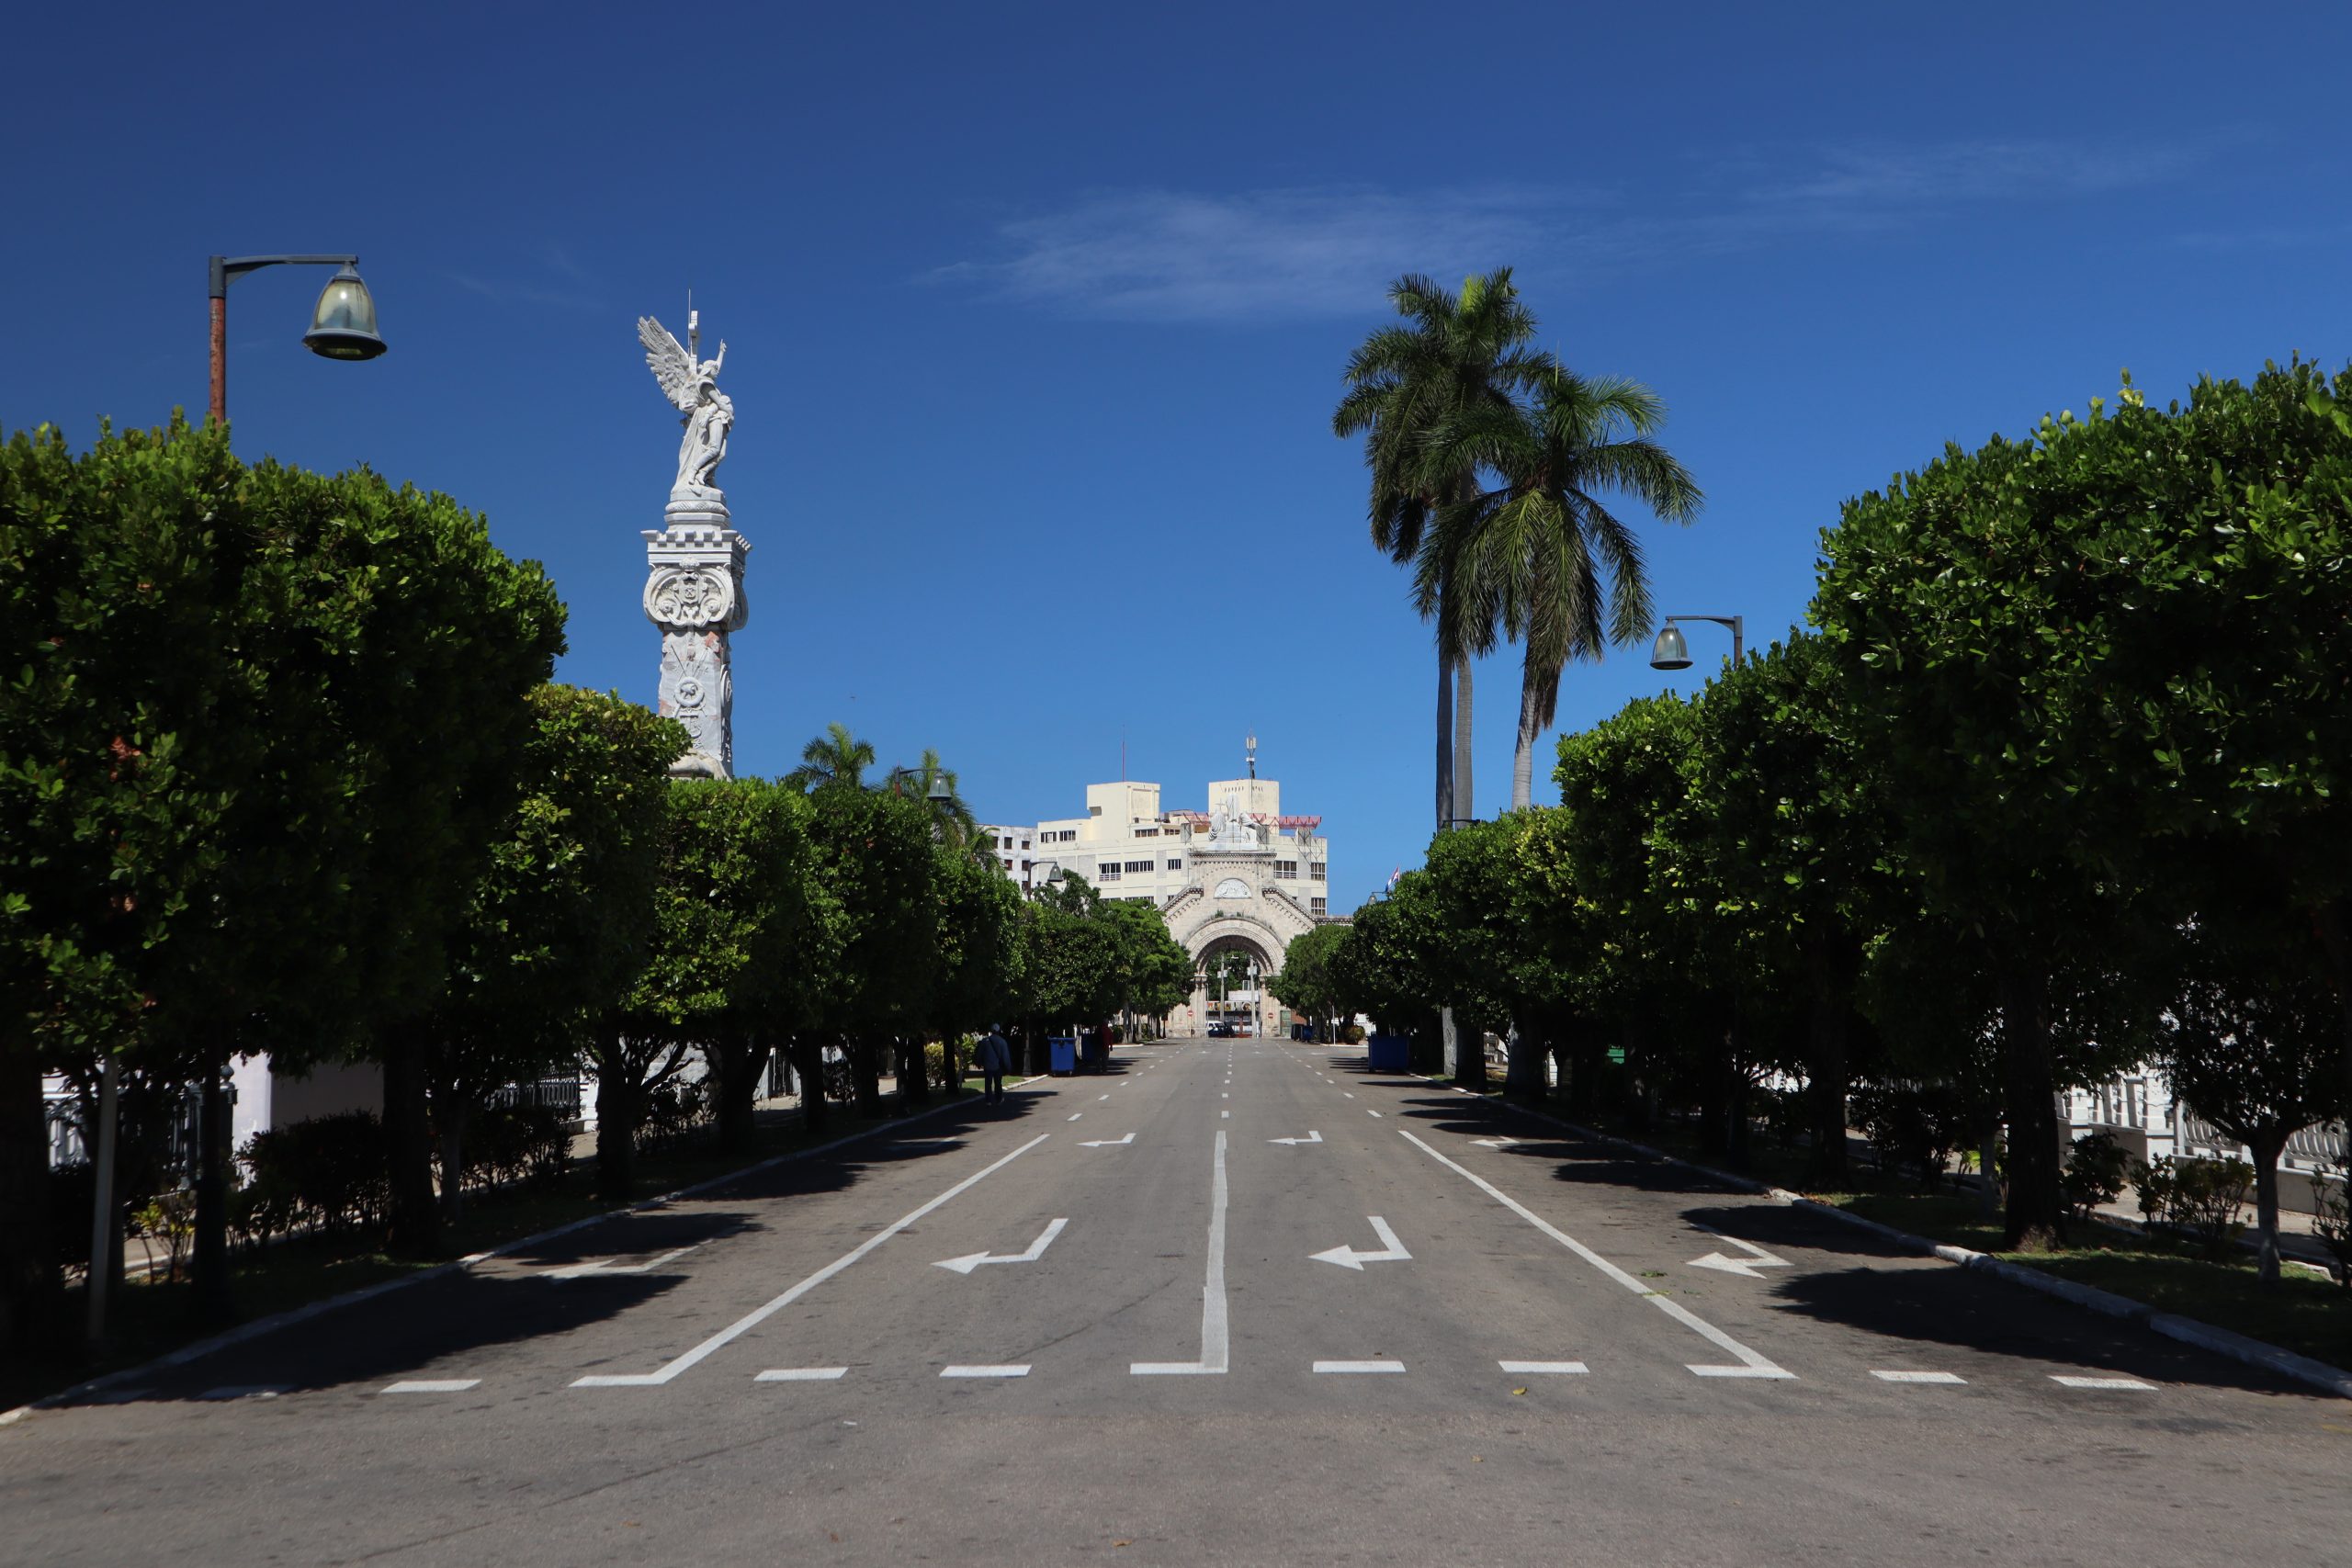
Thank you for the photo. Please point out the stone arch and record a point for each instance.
(1232, 933)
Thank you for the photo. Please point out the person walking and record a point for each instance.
(994, 1057)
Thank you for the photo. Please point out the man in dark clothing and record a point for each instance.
(994, 1057)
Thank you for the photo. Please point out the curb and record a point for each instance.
(309, 1310)
(2239, 1347)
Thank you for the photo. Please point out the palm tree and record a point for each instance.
(1457, 352)
(1530, 553)
(956, 824)
(833, 759)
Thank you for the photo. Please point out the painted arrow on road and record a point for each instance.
(1494, 1143)
(1310, 1138)
(972, 1260)
(1107, 1143)
(1748, 1266)
(1349, 1257)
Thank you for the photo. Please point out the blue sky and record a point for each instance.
(1036, 312)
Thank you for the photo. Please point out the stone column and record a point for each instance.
(694, 592)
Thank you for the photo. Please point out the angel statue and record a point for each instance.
(693, 386)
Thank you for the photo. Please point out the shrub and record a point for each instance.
(944, 1068)
(170, 1218)
(2095, 1169)
(1912, 1124)
(2199, 1196)
(673, 1114)
(1351, 1034)
(327, 1173)
(519, 1142)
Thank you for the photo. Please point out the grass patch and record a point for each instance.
(150, 1318)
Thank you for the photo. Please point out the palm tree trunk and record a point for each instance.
(1522, 762)
(1465, 797)
(1444, 741)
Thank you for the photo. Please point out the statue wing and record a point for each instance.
(666, 356)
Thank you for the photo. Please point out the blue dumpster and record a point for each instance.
(1389, 1053)
(1061, 1055)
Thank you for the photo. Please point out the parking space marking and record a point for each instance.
(2100, 1383)
(1919, 1377)
(1546, 1368)
(1019, 1370)
(752, 1319)
(433, 1385)
(802, 1374)
(1375, 1366)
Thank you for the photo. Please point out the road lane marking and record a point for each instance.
(1019, 1369)
(1225, 1115)
(1359, 1365)
(1076, 1114)
(245, 1391)
(2069, 1382)
(802, 1374)
(1751, 1364)
(1108, 1143)
(1345, 1095)
(605, 1265)
(1368, 1112)
(1100, 1098)
(1223, 1096)
(972, 1260)
(433, 1385)
(1312, 1137)
(1349, 1257)
(1749, 1266)
(1919, 1377)
(753, 1319)
(1215, 1341)
(1546, 1368)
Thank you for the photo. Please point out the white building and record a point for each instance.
(1239, 876)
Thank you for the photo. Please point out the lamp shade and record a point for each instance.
(344, 325)
(939, 793)
(1671, 652)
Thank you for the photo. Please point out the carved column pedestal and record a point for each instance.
(694, 592)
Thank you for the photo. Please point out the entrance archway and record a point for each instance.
(1230, 968)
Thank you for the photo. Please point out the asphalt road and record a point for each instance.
(1432, 1331)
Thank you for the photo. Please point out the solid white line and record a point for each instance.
(1543, 1368)
(1919, 1377)
(1359, 1365)
(1751, 1364)
(1018, 1370)
(433, 1385)
(2070, 1382)
(802, 1374)
(753, 1319)
(1215, 1334)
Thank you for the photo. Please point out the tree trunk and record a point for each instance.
(865, 1076)
(1444, 742)
(213, 1304)
(737, 1064)
(2266, 1151)
(449, 1119)
(1523, 1076)
(2037, 1214)
(415, 1218)
(1469, 1053)
(1465, 799)
(1522, 762)
(914, 1073)
(619, 1106)
(808, 1066)
(31, 1294)
(2335, 940)
(1826, 1076)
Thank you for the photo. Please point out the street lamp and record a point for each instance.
(1671, 652)
(343, 324)
(938, 793)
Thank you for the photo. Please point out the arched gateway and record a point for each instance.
(1240, 878)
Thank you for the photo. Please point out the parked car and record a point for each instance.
(1220, 1032)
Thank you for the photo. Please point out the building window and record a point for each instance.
(1004, 844)
(1317, 905)
(1315, 870)
(1140, 867)
(1175, 865)
(1008, 865)
(1286, 870)
(1147, 832)
(1107, 872)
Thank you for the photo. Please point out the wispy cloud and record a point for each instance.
(557, 264)
(1310, 251)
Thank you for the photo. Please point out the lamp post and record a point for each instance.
(343, 324)
(1671, 652)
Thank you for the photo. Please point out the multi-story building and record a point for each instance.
(1239, 876)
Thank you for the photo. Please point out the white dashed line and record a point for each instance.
(1020, 1371)
(802, 1374)
(1224, 1115)
(1359, 1365)
(433, 1385)
(1368, 1112)
(1546, 1368)
(2100, 1383)
(1345, 1095)
(1919, 1377)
